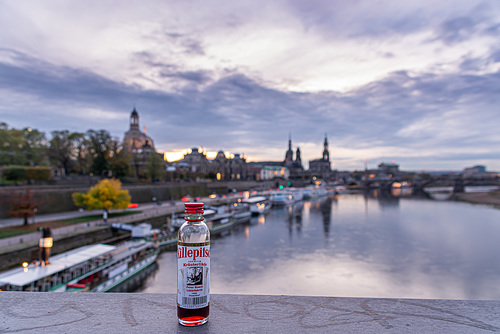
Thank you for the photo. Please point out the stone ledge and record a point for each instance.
(25, 312)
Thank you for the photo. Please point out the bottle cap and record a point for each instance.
(193, 207)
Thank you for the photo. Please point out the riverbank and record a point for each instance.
(487, 198)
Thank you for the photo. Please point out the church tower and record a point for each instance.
(298, 159)
(326, 154)
(289, 153)
(134, 120)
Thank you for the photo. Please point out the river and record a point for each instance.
(354, 245)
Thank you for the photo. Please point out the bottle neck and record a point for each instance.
(193, 217)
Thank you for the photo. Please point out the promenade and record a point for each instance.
(27, 312)
(144, 211)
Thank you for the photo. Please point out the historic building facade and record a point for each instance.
(294, 167)
(321, 167)
(221, 167)
(138, 145)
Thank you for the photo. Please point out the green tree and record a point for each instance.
(61, 150)
(81, 153)
(106, 195)
(155, 166)
(119, 162)
(22, 147)
(100, 146)
(34, 146)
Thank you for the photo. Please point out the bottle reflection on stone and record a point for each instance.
(193, 268)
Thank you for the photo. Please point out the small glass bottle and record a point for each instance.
(193, 268)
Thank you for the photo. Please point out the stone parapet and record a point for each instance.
(25, 312)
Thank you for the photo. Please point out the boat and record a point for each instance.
(240, 210)
(340, 189)
(315, 191)
(282, 198)
(177, 221)
(92, 268)
(258, 205)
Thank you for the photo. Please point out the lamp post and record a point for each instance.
(34, 214)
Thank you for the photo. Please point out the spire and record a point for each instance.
(289, 152)
(134, 119)
(326, 154)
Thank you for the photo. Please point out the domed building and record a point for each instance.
(135, 140)
(138, 145)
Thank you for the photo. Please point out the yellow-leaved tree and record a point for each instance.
(106, 195)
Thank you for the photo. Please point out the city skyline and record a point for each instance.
(414, 83)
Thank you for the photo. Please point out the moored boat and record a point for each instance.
(258, 204)
(282, 198)
(93, 268)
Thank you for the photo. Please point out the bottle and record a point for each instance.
(193, 268)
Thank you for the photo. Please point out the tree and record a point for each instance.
(100, 145)
(35, 146)
(22, 204)
(119, 161)
(21, 147)
(107, 195)
(155, 166)
(61, 149)
(81, 153)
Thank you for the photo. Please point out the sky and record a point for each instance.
(414, 82)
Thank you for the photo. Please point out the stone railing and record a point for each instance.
(25, 312)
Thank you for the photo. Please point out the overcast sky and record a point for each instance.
(415, 82)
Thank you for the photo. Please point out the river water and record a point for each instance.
(356, 245)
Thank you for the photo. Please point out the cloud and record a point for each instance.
(415, 82)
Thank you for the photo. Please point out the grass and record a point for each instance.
(12, 231)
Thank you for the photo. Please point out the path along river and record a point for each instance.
(356, 245)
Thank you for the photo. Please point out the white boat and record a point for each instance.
(282, 198)
(93, 268)
(177, 221)
(258, 205)
(312, 192)
(240, 210)
(340, 189)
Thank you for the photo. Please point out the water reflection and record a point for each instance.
(357, 245)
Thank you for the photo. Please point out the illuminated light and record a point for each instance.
(174, 156)
(281, 187)
(213, 196)
(25, 264)
(132, 205)
(219, 176)
(46, 242)
(275, 172)
(390, 175)
(372, 176)
(396, 185)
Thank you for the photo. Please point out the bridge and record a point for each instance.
(457, 183)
